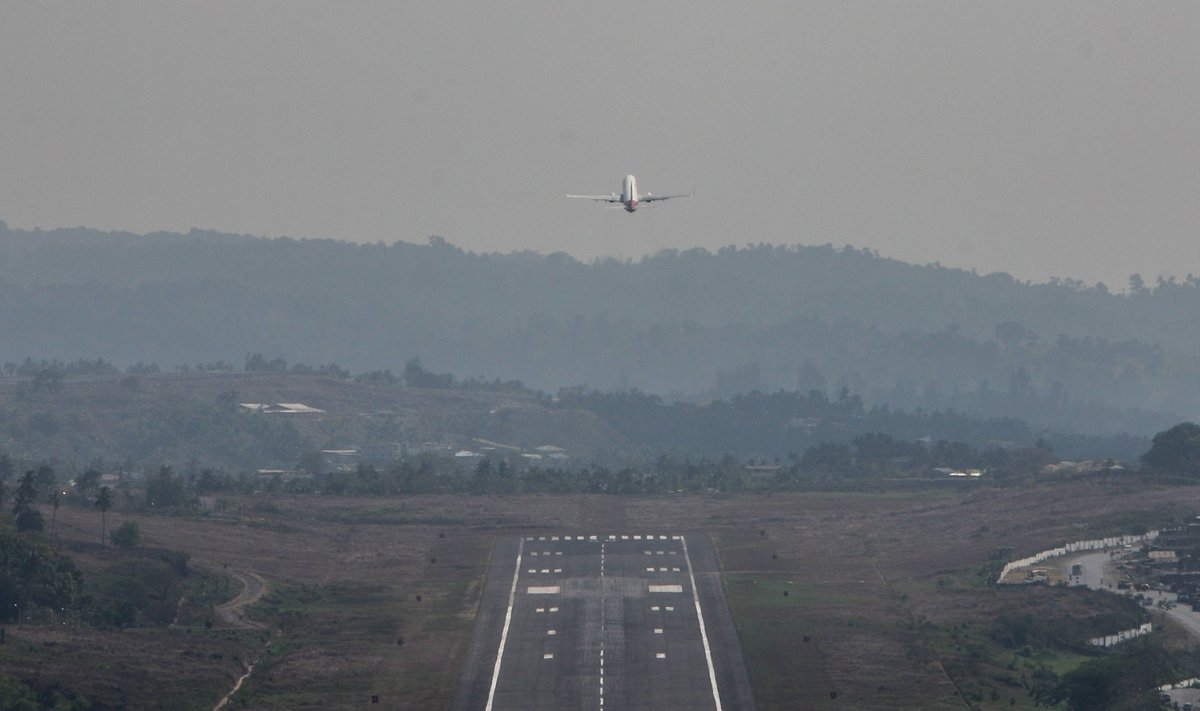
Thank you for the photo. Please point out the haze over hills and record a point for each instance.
(692, 324)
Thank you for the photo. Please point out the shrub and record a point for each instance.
(127, 535)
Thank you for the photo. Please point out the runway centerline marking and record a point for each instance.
(602, 621)
(658, 582)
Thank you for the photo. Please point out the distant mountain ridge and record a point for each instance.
(692, 324)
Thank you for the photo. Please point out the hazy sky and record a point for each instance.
(1038, 138)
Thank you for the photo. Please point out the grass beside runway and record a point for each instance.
(346, 590)
(343, 642)
(794, 637)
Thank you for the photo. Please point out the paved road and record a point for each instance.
(1099, 573)
(604, 621)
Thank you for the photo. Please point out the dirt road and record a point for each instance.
(233, 613)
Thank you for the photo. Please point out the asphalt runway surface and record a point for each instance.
(604, 621)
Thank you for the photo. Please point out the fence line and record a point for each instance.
(1185, 684)
(1109, 640)
(1098, 544)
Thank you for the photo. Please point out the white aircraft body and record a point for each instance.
(629, 196)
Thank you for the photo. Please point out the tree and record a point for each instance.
(1124, 680)
(6, 472)
(127, 535)
(1011, 334)
(165, 490)
(104, 502)
(33, 576)
(828, 458)
(25, 516)
(54, 501)
(255, 362)
(208, 481)
(45, 477)
(30, 520)
(417, 376)
(377, 377)
(48, 379)
(88, 480)
(482, 479)
(26, 491)
(1176, 450)
(16, 696)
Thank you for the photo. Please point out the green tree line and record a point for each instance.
(698, 323)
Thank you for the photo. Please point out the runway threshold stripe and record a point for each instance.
(512, 594)
(712, 674)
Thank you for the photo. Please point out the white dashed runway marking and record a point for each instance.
(595, 627)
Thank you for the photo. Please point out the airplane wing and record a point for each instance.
(611, 197)
(651, 197)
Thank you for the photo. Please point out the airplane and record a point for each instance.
(629, 196)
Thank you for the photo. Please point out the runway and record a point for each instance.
(604, 621)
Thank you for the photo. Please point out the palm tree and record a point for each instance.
(26, 492)
(54, 494)
(104, 502)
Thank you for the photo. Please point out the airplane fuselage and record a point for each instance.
(629, 196)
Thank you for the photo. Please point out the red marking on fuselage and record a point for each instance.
(631, 205)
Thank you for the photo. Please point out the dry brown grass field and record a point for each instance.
(842, 600)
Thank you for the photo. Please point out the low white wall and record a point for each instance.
(1078, 546)
(1185, 684)
(1109, 640)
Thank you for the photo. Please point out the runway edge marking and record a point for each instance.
(512, 594)
(712, 674)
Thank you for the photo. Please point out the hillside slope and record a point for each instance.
(182, 418)
(694, 324)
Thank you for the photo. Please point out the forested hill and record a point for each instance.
(692, 323)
